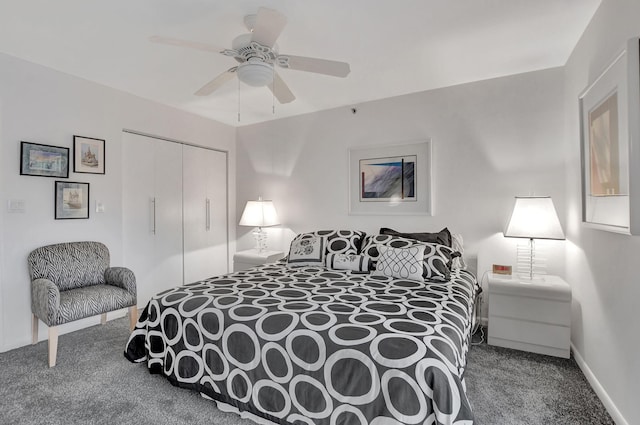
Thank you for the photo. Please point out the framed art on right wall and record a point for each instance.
(609, 144)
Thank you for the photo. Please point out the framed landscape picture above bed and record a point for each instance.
(609, 143)
(391, 179)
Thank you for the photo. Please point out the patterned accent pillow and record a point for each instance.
(307, 251)
(437, 262)
(402, 263)
(340, 241)
(356, 263)
(437, 258)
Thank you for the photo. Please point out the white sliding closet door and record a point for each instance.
(205, 213)
(168, 216)
(152, 213)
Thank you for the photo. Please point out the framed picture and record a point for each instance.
(72, 200)
(43, 160)
(88, 155)
(609, 140)
(393, 179)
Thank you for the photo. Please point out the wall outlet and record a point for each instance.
(501, 269)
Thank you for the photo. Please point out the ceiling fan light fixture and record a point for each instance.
(256, 74)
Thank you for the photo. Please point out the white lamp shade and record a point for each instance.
(259, 214)
(534, 217)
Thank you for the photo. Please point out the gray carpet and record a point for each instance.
(94, 384)
(519, 388)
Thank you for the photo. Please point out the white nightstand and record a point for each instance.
(243, 260)
(530, 315)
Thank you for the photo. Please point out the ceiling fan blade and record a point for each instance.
(214, 84)
(184, 43)
(319, 66)
(280, 90)
(269, 24)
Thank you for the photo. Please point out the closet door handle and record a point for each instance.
(153, 215)
(208, 214)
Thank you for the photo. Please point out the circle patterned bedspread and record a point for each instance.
(316, 346)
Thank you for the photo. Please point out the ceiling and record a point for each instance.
(393, 47)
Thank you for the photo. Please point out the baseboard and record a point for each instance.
(599, 389)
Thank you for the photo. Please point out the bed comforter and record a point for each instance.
(316, 346)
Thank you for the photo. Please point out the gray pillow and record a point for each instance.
(443, 237)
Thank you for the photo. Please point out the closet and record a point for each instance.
(174, 213)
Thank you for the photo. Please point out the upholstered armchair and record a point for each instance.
(72, 281)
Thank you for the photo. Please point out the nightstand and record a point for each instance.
(243, 260)
(530, 315)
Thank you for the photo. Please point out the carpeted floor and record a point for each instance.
(519, 388)
(94, 384)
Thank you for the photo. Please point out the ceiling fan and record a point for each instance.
(257, 54)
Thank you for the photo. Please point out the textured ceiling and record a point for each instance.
(393, 47)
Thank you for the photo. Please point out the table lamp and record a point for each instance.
(259, 214)
(533, 217)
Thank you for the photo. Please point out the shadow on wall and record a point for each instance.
(274, 156)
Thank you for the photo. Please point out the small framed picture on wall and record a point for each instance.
(88, 155)
(43, 160)
(72, 200)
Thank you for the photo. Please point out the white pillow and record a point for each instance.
(403, 263)
(356, 263)
(307, 251)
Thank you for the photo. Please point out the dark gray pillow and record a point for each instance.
(443, 237)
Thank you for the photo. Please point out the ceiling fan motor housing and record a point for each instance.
(246, 49)
(256, 61)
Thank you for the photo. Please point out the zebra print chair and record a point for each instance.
(72, 281)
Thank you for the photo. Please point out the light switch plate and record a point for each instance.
(99, 207)
(16, 206)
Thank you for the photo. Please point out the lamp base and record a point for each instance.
(260, 237)
(528, 278)
(530, 264)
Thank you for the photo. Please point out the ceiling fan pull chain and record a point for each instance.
(273, 92)
(238, 100)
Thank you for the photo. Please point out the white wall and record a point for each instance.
(492, 140)
(40, 105)
(602, 266)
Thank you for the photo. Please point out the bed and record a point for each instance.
(311, 344)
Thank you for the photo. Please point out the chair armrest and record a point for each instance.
(121, 277)
(45, 300)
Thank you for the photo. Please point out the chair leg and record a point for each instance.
(53, 345)
(34, 329)
(103, 318)
(133, 316)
